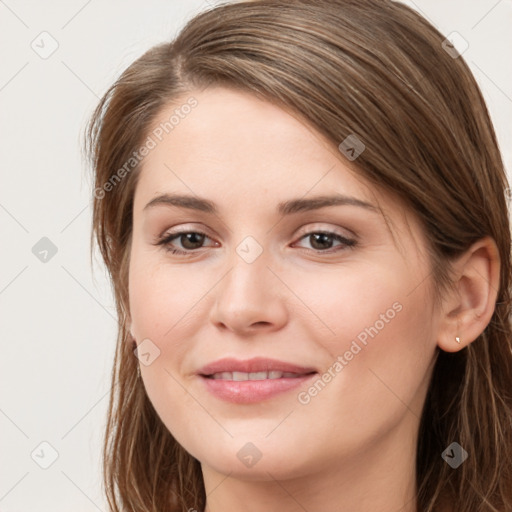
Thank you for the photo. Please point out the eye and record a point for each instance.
(322, 241)
(190, 241)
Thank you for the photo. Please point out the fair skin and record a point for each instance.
(352, 445)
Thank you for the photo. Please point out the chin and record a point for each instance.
(258, 460)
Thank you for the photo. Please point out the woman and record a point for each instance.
(302, 208)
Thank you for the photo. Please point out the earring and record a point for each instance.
(457, 339)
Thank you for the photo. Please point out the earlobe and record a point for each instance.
(469, 306)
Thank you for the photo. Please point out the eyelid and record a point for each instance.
(185, 228)
(305, 230)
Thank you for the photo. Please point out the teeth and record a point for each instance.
(242, 376)
(257, 376)
(223, 376)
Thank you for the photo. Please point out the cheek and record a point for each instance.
(163, 305)
(390, 375)
(348, 302)
(377, 324)
(162, 297)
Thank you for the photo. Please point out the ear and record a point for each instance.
(468, 308)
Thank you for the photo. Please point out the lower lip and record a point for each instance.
(252, 391)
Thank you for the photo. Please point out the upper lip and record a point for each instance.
(257, 364)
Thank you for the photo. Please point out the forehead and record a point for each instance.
(233, 141)
(236, 120)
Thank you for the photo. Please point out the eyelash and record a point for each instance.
(166, 240)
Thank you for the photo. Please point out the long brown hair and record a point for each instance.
(375, 69)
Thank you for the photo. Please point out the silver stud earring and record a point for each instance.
(457, 339)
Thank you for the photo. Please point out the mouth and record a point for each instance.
(255, 368)
(254, 380)
(243, 376)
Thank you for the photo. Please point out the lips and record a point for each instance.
(257, 365)
(241, 376)
(253, 380)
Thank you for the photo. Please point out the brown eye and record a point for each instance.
(322, 241)
(189, 241)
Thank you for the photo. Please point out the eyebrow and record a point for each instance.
(285, 208)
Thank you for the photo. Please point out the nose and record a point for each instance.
(249, 299)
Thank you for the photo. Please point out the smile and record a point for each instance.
(254, 380)
(242, 376)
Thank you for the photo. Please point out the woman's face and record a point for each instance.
(325, 309)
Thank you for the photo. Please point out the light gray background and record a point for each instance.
(58, 322)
